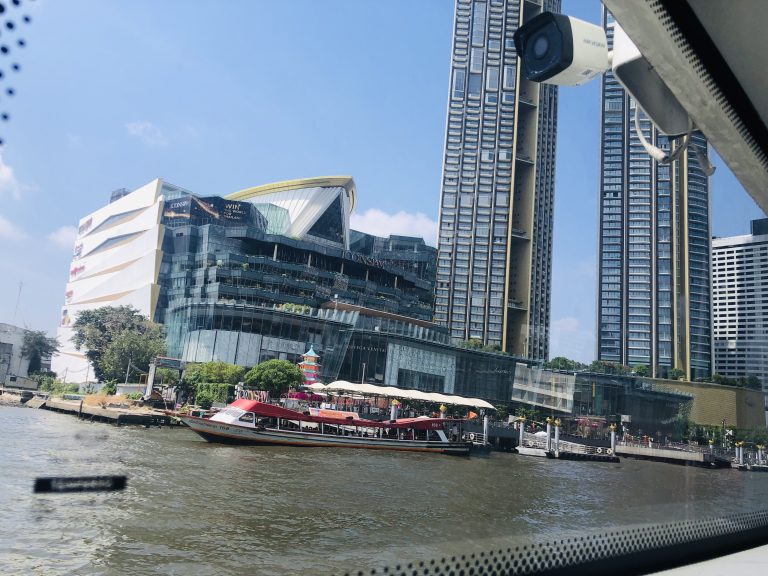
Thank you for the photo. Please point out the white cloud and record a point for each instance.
(8, 182)
(9, 230)
(379, 223)
(148, 133)
(569, 339)
(64, 237)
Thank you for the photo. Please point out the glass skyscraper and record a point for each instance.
(497, 192)
(654, 302)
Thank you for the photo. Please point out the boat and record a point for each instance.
(248, 421)
(531, 451)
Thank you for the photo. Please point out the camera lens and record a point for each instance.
(540, 46)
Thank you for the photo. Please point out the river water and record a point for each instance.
(197, 508)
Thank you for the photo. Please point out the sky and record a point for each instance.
(217, 97)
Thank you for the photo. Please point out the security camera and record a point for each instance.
(558, 49)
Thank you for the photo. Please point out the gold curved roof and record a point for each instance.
(345, 182)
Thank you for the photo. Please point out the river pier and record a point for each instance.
(116, 416)
(674, 455)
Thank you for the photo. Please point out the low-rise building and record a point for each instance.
(13, 364)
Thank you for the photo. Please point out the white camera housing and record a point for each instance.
(559, 49)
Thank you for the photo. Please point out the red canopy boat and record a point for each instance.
(252, 422)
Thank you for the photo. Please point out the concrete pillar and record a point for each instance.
(741, 455)
(393, 410)
(557, 438)
(549, 435)
(613, 442)
(521, 423)
(274, 254)
(485, 430)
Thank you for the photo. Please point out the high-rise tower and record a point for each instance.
(497, 193)
(740, 295)
(654, 301)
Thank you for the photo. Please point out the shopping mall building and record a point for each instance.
(266, 273)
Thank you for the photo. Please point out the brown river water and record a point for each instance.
(196, 508)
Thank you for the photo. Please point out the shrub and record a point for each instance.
(207, 393)
(57, 388)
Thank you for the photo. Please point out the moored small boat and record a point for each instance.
(252, 422)
(531, 451)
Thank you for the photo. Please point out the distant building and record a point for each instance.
(269, 272)
(654, 301)
(12, 364)
(740, 304)
(497, 192)
(643, 405)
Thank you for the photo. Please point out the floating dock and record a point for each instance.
(117, 416)
(672, 456)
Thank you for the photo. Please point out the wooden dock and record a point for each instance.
(117, 416)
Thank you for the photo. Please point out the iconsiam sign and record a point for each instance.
(309, 366)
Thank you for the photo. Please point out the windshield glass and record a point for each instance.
(464, 295)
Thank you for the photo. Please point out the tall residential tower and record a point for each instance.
(740, 304)
(654, 301)
(497, 192)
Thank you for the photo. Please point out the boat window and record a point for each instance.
(247, 417)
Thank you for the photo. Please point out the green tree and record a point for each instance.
(754, 383)
(137, 348)
(276, 376)
(563, 363)
(35, 346)
(604, 367)
(94, 331)
(221, 372)
(205, 398)
(720, 379)
(675, 373)
(640, 370)
(167, 376)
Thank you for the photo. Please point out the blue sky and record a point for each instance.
(216, 97)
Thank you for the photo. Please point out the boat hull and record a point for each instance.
(232, 434)
(526, 451)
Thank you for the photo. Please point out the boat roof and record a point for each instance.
(274, 411)
(394, 392)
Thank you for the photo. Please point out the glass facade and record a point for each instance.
(642, 406)
(231, 291)
(654, 293)
(497, 190)
(409, 253)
